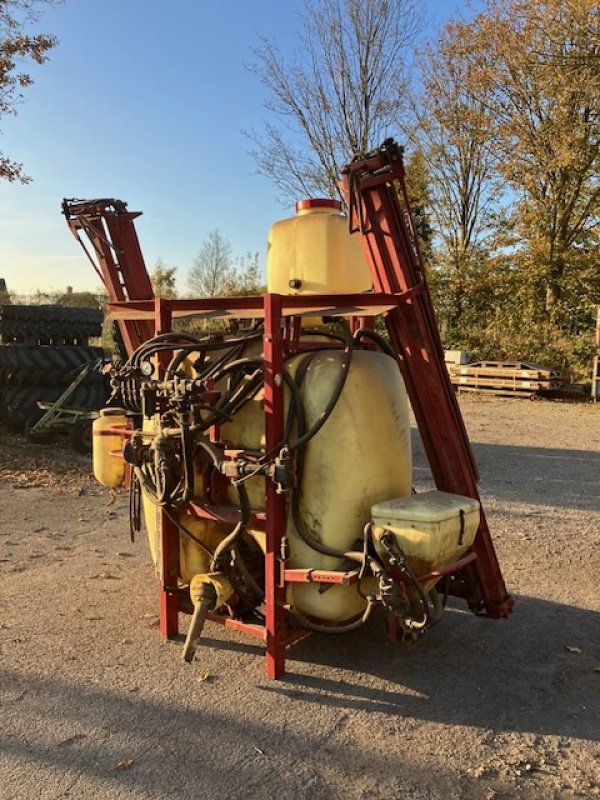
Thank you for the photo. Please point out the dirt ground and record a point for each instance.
(95, 705)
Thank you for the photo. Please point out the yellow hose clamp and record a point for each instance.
(219, 584)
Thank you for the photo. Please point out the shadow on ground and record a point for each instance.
(543, 476)
(517, 673)
(538, 687)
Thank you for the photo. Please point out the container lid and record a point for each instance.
(112, 412)
(430, 506)
(311, 202)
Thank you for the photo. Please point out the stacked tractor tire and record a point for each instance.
(43, 349)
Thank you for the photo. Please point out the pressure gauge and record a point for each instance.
(146, 368)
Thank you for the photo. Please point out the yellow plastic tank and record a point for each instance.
(433, 529)
(361, 456)
(109, 469)
(193, 560)
(314, 253)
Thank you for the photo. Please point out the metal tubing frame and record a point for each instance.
(276, 634)
(275, 502)
(118, 262)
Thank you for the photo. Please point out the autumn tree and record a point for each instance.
(164, 279)
(454, 130)
(536, 68)
(248, 279)
(341, 93)
(18, 45)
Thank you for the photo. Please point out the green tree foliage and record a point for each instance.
(164, 279)
(6, 298)
(248, 279)
(17, 46)
(69, 298)
(418, 183)
(508, 122)
(504, 157)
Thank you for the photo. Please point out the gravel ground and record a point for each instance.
(95, 705)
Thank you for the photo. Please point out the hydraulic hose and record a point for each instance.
(230, 540)
(380, 341)
(348, 627)
(245, 510)
(188, 533)
(325, 414)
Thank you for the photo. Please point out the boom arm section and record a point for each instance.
(115, 256)
(380, 210)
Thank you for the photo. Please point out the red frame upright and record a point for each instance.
(380, 211)
(281, 319)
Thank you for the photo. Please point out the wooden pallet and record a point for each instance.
(505, 377)
(596, 362)
(596, 379)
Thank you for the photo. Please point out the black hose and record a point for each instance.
(245, 509)
(304, 622)
(248, 577)
(230, 540)
(325, 414)
(380, 341)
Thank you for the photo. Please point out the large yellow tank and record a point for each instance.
(192, 559)
(360, 457)
(314, 252)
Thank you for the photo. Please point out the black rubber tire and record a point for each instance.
(49, 324)
(50, 313)
(42, 378)
(47, 365)
(80, 436)
(54, 329)
(48, 357)
(20, 403)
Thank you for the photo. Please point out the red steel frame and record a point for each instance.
(400, 294)
(120, 263)
(279, 318)
(380, 209)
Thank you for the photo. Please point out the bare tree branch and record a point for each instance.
(342, 93)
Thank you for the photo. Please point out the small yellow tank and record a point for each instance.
(109, 469)
(314, 252)
(432, 529)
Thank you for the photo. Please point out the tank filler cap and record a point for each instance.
(313, 203)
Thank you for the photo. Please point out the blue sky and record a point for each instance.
(145, 101)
